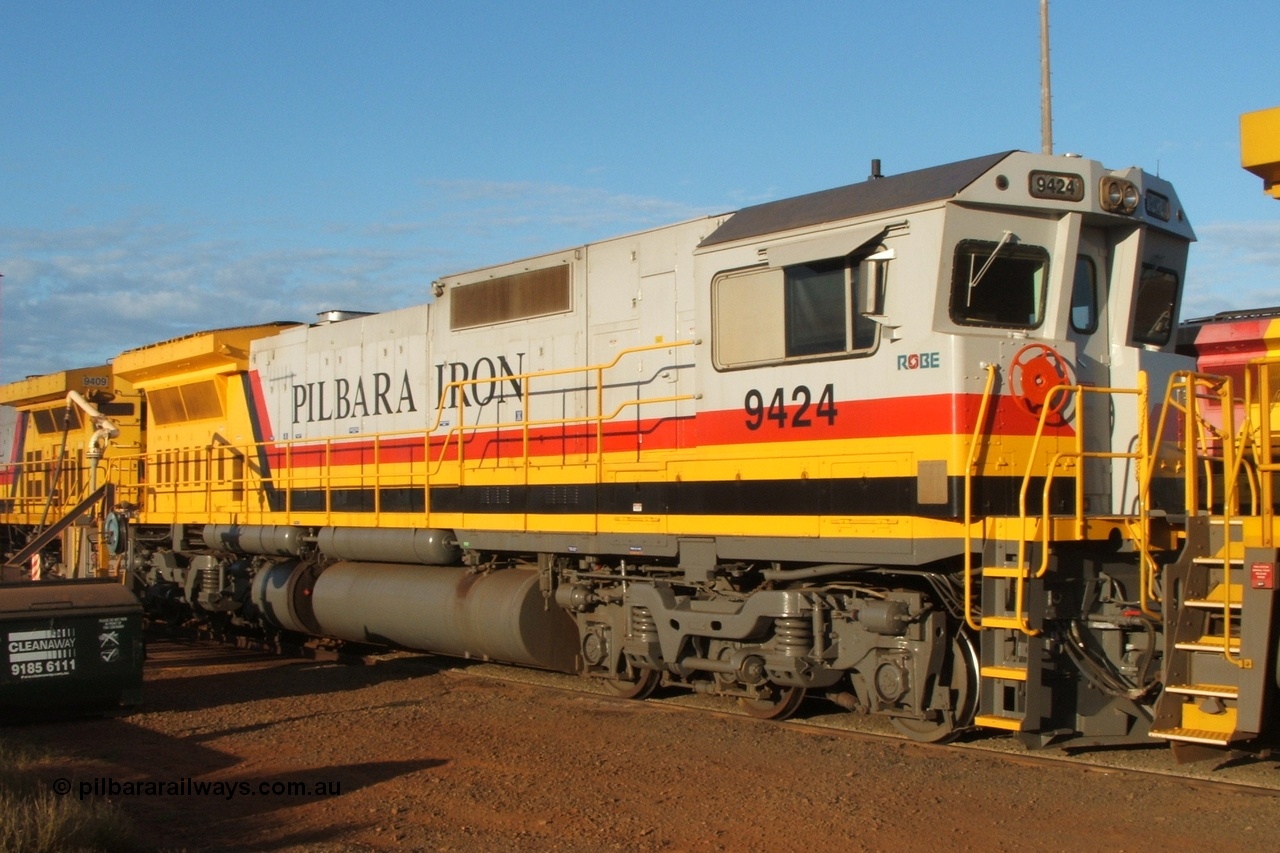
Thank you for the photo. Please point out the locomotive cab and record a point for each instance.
(75, 433)
(1085, 290)
(890, 316)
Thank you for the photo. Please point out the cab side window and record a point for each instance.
(817, 309)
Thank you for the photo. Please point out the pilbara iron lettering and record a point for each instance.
(479, 383)
(322, 401)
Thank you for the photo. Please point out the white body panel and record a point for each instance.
(363, 375)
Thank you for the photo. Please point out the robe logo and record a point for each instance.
(920, 361)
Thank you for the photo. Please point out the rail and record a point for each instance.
(969, 469)
(1074, 459)
(1204, 445)
(1262, 394)
(1259, 397)
(525, 423)
(1071, 460)
(352, 473)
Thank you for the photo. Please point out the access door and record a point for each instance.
(1089, 328)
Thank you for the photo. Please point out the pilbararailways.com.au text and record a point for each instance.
(104, 786)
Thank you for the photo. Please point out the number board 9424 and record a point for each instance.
(1061, 186)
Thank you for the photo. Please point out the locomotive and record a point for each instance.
(924, 446)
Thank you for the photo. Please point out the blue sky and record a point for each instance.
(172, 166)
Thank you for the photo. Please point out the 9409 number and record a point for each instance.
(801, 413)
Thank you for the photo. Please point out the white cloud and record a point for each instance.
(1235, 266)
(80, 295)
(80, 301)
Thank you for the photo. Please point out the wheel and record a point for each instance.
(113, 532)
(640, 687)
(1035, 371)
(960, 674)
(781, 703)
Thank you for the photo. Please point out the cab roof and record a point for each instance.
(870, 196)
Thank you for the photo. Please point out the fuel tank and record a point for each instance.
(499, 615)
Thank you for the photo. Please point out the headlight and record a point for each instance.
(1130, 198)
(1118, 195)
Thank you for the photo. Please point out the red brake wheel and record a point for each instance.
(1035, 371)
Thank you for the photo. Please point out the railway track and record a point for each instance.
(1252, 773)
(438, 753)
(1256, 774)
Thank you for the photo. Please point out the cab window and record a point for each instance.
(1084, 297)
(998, 284)
(816, 309)
(1153, 308)
(58, 419)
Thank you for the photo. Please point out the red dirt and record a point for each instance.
(442, 759)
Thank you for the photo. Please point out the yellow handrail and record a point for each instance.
(1194, 388)
(1230, 501)
(1258, 394)
(525, 423)
(289, 478)
(1075, 459)
(969, 464)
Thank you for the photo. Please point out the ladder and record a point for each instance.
(1013, 693)
(1216, 647)
(1223, 602)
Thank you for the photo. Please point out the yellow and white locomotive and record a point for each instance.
(921, 445)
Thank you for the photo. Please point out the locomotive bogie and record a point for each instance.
(877, 651)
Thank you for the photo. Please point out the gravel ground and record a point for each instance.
(421, 753)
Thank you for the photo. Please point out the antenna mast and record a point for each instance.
(1046, 101)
